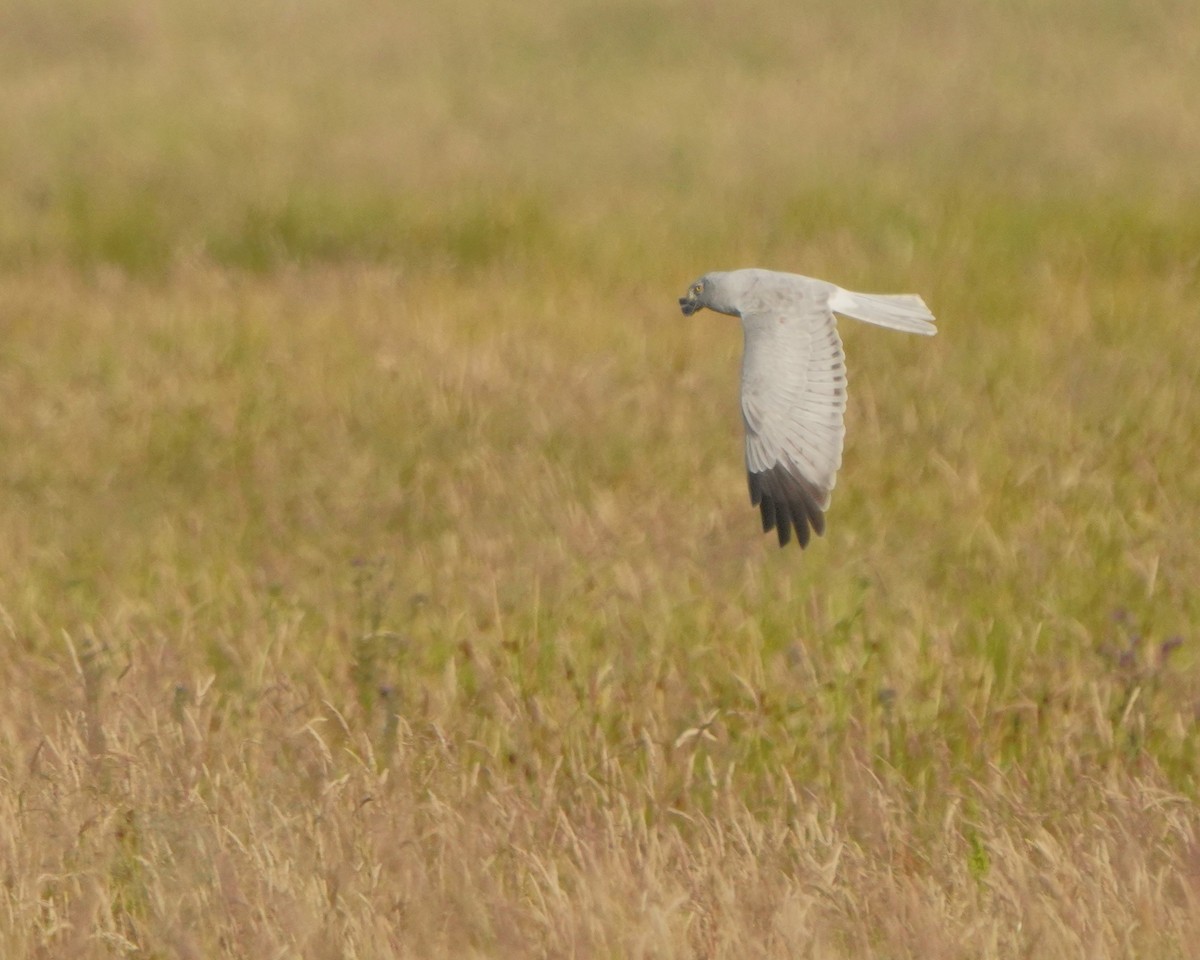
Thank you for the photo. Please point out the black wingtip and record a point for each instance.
(769, 519)
(788, 503)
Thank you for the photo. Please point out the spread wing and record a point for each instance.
(793, 402)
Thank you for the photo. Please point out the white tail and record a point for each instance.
(897, 311)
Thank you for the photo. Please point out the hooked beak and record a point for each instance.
(688, 306)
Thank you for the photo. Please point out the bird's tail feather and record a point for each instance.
(897, 311)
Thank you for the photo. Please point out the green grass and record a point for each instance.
(377, 575)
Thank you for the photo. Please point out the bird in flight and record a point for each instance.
(794, 382)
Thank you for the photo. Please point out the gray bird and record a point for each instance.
(794, 382)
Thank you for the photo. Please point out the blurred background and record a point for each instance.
(397, 275)
(344, 390)
(254, 135)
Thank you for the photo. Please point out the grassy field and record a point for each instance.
(377, 577)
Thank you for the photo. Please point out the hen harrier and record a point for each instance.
(794, 382)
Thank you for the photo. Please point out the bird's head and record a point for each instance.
(709, 291)
(696, 298)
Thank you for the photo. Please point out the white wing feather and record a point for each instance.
(793, 403)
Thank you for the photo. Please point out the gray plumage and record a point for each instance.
(794, 382)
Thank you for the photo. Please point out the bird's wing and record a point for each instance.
(793, 402)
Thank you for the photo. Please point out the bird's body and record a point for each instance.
(794, 382)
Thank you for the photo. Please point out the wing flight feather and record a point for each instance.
(793, 404)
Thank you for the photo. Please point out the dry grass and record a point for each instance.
(377, 575)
